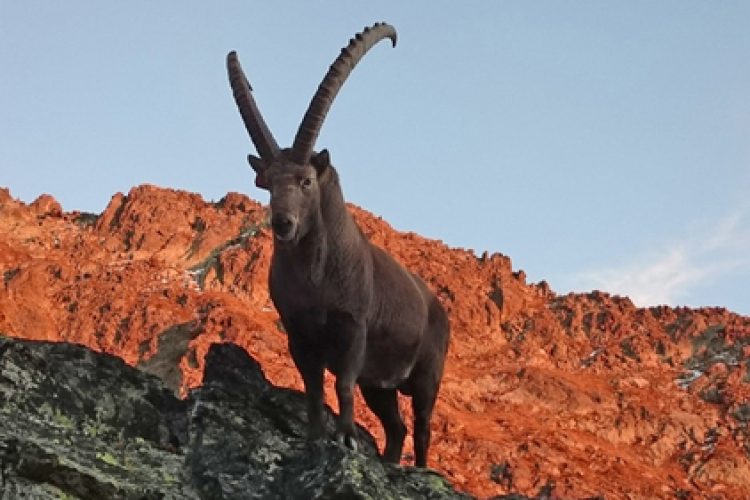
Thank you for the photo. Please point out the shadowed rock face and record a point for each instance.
(77, 424)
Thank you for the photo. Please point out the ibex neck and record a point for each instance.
(341, 231)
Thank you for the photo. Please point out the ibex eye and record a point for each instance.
(306, 182)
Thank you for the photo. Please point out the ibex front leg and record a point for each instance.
(310, 364)
(351, 336)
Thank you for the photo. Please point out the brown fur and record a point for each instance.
(347, 306)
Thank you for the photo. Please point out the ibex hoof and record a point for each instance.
(347, 440)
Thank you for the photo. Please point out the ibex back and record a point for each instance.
(346, 305)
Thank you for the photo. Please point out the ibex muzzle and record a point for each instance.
(346, 305)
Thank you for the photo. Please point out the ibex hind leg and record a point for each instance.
(423, 403)
(425, 380)
(384, 404)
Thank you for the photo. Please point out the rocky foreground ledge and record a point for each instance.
(78, 424)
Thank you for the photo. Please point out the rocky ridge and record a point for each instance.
(86, 425)
(577, 395)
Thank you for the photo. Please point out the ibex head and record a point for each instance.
(294, 176)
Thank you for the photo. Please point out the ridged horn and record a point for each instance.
(262, 137)
(308, 131)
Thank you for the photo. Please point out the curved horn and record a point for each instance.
(308, 131)
(254, 123)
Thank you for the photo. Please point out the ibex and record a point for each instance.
(346, 305)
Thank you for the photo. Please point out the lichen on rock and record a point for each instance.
(79, 424)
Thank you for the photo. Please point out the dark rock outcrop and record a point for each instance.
(78, 424)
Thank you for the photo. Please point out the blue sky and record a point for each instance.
(599, 144)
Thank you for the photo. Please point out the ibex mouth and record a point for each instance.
(285, 238)
(284, 227)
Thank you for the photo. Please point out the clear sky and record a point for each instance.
(600, 144)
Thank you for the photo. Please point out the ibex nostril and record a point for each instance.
(282, 224)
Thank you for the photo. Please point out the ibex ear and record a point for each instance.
(260, 167)
(321, 161)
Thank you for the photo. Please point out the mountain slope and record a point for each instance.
(580, 395)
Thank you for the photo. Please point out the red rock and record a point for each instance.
(578, 387)
(46, 205)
